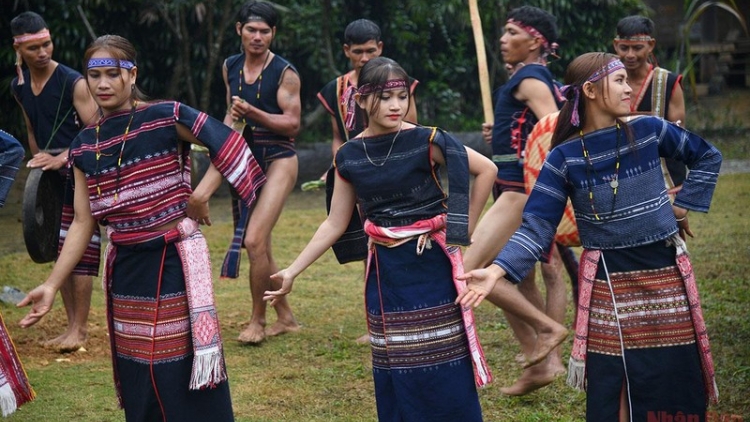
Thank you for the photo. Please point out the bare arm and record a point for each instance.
(197, 208)
(484, 172)
(287, 96)
(82, 228)
(330, 230)
(33, 146)
(84, 103)
(677, 106)
(537, 96)
(228, 119)
(338, 140)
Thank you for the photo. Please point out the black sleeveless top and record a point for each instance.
(262, 92)
(52, 115)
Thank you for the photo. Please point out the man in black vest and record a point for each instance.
(656, 91)
(56, 104)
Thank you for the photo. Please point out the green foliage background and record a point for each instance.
(182, 43)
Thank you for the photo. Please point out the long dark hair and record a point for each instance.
(118, 48)
(377, 72)
(578, 72)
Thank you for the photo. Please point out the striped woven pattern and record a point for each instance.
(137, 337)
(653, 309)
(417, 339)
(151, 186)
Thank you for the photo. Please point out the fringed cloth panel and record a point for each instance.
(15, 389)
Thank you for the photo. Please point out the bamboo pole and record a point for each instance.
(484, 76)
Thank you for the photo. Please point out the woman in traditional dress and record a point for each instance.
(421, 349)
(641, 348)
(132, 175)
(15, 389)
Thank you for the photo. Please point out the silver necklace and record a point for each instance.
(364, 144)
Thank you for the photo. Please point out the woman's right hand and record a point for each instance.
(41, 300)
(287, 280)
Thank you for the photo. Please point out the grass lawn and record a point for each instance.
(321, 374)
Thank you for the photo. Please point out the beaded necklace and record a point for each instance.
(614, 183)
(259, 80)
(99, 153)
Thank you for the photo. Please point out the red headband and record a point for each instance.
(366, 89)
(20, 39)
(548, 48)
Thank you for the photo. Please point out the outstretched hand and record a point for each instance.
(286, 280)
(41, 300)
(479, 283)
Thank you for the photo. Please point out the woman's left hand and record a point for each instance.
(198, 210)
(479, 283)
(681, 215)
(684, 227)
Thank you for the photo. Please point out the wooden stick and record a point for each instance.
(484, 76)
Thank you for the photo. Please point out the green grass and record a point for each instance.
(320, 374)
(722, 119)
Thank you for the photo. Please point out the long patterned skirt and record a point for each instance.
(154, 351)
(420, 354)
(661, 372)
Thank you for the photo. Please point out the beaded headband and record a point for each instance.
(548, 48)
(634, 38)
(366, 89)
(255, 18)
(600, 74)
(108, 62)
(20, 39)
(389, 85)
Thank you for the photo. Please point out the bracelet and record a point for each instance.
(681, 219)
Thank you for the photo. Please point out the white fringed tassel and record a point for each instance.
(576, 374)
(19, 69)
(8, 403)
(208, 370)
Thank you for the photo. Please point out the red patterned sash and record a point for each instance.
(15, 389)
(435, 228)
(208, 361)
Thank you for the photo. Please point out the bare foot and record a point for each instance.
(279, 328)
(363, 339)
(532, 379)
(555, 363)
(252, 334)
(66, 342)
(520, 359)
(546, 341)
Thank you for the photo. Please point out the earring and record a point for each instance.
(132, 87)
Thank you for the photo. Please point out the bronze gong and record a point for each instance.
(42, 211)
